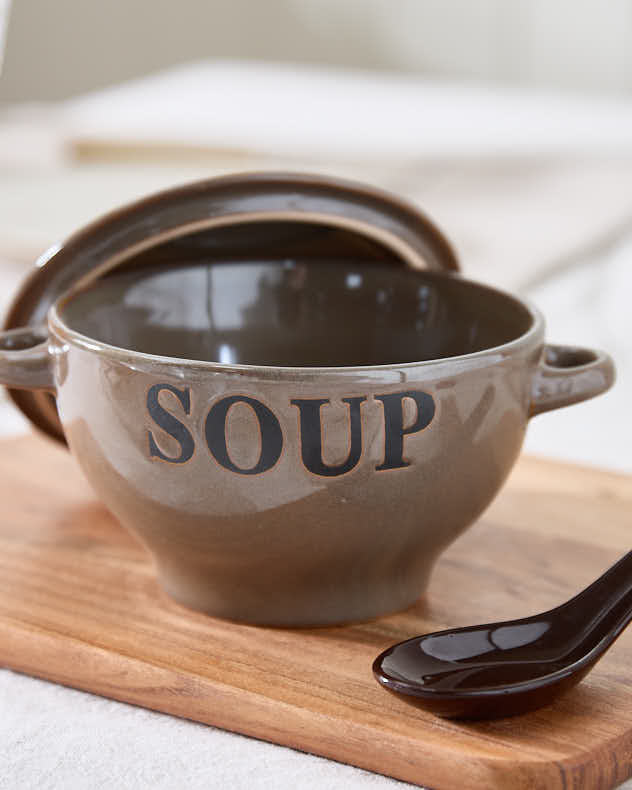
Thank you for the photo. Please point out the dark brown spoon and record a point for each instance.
(501, 669)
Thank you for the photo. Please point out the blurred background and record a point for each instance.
(508, 121)
(56, 50)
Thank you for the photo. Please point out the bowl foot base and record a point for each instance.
(295, 607)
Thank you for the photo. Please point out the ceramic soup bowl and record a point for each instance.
(295, 441)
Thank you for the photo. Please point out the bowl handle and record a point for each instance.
(26, 359)
(567, 375)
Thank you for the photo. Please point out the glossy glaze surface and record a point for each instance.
(297, 495)
(294, 313)
(506, 668)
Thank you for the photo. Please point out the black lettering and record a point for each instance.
(169, 423)
(394, 430)
(271, 435)
(311, 436)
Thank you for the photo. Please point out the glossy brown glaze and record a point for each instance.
(25, 359)
(292, 313)
(507, 668)
(284, 494)
(281, 214)
(296, 495)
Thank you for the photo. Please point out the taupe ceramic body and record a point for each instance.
(298, 495)
(295, 441)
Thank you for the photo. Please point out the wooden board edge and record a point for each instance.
(127, 679)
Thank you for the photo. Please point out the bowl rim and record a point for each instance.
(533, 336)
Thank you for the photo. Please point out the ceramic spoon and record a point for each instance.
(505, 668)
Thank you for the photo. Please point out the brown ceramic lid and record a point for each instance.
(404, 234)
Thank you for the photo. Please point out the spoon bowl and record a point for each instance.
(511, 667)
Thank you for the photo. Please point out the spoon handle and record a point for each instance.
(604, 608)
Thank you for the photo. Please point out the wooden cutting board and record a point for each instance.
(79, 605)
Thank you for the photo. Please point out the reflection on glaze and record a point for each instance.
(287, 313)
(505, 668)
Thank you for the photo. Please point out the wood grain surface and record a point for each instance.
(79, 605)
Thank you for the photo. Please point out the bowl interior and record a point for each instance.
(294, 313)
